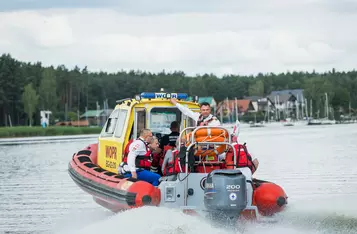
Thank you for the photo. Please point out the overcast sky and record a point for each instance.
(194, 36)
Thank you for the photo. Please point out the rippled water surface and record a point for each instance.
(315, 165)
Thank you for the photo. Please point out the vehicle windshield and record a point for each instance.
(161, 118)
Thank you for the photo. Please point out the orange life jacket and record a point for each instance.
(141, 161)
(244, 159)
(173, 166)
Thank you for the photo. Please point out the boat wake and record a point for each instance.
(156, 220)
(160, 220)
(321, 223)
(329, 214)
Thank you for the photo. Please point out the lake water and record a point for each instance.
(315, 165)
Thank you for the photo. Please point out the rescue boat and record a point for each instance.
(203, 186)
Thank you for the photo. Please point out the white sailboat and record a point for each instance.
(311, 120)
(288, 122)
(326, 120)
(255, 124)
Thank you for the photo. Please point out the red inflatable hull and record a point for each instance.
(268, 197)
(110, 190)
(117, 193)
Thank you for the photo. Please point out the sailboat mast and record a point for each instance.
(306, 111)
(297, 107)
(268, 102)
(276, 109)
(236, 106)
(327, 112)
(311, 115)
(278, 99)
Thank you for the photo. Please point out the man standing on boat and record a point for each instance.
(204, 118)
(139, 158)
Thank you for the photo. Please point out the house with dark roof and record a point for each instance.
(290, 102)
(283, 101)
(261, 103)
(297, 93)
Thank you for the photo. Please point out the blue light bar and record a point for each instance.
(164, 95)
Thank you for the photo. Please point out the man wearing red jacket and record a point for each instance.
(138, 161)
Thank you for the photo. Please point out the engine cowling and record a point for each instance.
(225, 191)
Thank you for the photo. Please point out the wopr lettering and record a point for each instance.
(111, 152)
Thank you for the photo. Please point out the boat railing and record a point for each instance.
(194, 143)
(185, 131)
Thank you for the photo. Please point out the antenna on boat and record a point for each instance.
(162, 90)
(122, 100)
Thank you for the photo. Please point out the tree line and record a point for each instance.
(27, 88)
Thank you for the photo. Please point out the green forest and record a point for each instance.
(27, 88)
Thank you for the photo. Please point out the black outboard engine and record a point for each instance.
(225, 193)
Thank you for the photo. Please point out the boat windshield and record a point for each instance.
(161, 118)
